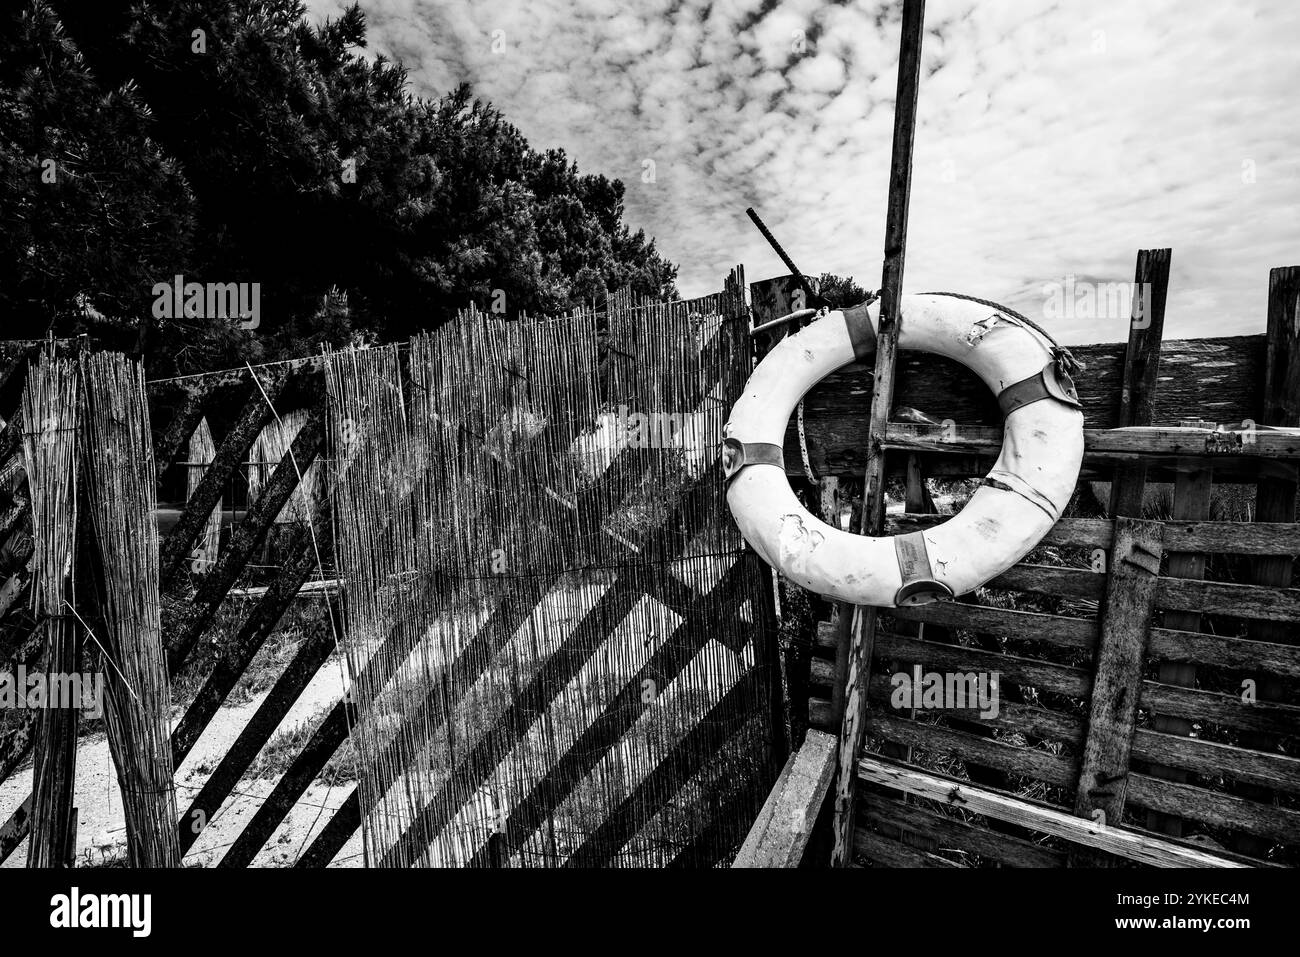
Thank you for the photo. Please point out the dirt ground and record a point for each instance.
(101, 833)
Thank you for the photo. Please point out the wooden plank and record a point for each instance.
(1046, 676)
(1220, 538)
(1205, 706)
(184, 420)
(1056, 630)
(888, 852)
(1164, 644)
(1083, 532)
(1052, 580)
(1130, 844)
(1233, 538)
(957, 835)
(863, 621)
(1053, 769)
(1121, 446)
(754, 836)
(780, 835)
(1278, 604)
(185, 627)
(1117, 682)
(256, 415)
(1221, 651)
(1223, 598)
(1230, 812)
(1028, 720)
(307, 366)
(1177, 752)
(1216, 378)
(1190, 754)
(1228, 710)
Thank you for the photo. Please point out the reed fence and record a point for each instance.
(559, 651)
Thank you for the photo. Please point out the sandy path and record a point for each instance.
(101, 831)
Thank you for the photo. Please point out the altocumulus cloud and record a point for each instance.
(1053, 139)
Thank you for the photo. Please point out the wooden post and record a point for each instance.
(1116, 685)
(1132, 568)
(1141, 365)
(863, 621)
(1275, 495)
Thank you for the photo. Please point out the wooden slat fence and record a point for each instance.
(1148, 654)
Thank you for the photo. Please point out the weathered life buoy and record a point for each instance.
(1017, 504)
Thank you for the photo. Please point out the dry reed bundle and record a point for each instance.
(515, 570)
(202, 451)
(121, 498)
(50, 458)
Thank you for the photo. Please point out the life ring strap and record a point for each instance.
(737, 455)
(1051, 382)
(861, 333)
(919, 585)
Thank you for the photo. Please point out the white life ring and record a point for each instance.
(1019, 502)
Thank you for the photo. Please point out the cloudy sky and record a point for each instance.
(1054, 140)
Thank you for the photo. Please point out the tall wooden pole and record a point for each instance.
(863, 630)
(1275, 499)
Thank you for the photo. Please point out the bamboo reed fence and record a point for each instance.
(540, 667)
